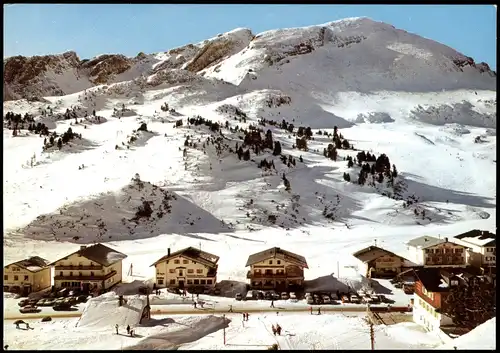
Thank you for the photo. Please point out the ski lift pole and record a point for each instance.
(224, 328)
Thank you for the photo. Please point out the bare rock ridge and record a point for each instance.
(357, 40)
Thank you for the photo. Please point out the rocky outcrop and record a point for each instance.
(103, 68)
(37, 76)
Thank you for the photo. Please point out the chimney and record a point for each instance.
(168, 252)
(83, 247)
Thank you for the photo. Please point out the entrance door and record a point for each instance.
(181, 284)
(86, 287)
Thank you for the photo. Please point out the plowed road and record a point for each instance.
(211, 312)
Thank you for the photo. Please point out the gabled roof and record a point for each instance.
(194, 254)
(478, 237)
(427, 241)
(32, 264)
(424, 241)
(434, 278)
(277, 253)
(365, 254)
(99, 253)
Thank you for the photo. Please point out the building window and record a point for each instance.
(172, 281)
(160, 281)
(427, 251)
(185, 261)
(270, 262)
(177, 262)
(80, 274)
(199, 270)
(190, 270)
(196, 281)
(279, 262)
(448, 251)
(459, 250)
(189, 281)
(171, 270)
(5, 277)
(61, 273)
(202, 281)
(92, 273)
(16, 278)
(71, 273)
(209, 281)
(181, 273)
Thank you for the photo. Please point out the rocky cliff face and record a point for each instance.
(55, 75)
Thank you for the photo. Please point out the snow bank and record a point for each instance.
(482, 337)
(402, 331)
(104, 311)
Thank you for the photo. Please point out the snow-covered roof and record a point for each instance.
(424, 241)
(478, 237)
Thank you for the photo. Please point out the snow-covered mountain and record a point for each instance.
(321, 140)
(356, 54)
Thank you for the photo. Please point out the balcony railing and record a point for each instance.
(250, 274)
(199, 275)
(78, 267)
(445, 260)
(86, 278)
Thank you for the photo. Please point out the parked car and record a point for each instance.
(326, 299)
(285, 296)
(268, 295)
(29, 309)
(217, 291)
(345, 299)
(23, 302)
(249, 296)
(355, 299)
(317, 299)
(398, 285)
(307, 295)
(260, 295)
(238, 296)
(293, 297)
(49, 302)
(82, 299)
(42, 302)
(62, 306)
(59, 301)
(310, 300)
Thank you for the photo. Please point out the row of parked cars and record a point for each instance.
(61, 300)
(267, 295)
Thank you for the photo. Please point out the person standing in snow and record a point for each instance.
(272, 304)
(230, 308)
(116, 327)
(194, 304)
(274, 330)
(319, 311)
(278, 329)
(128, 329)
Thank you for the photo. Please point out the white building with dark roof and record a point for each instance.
(91, 268)
(482, 245)
(429, 251)
(26, 276)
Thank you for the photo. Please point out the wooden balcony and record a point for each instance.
(79, 268)
(85, 278)
(445, 260)
(250, 274)
(199, 275)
